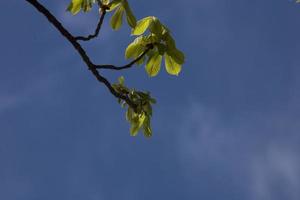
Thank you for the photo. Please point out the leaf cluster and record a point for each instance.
(150, 30)
(140, 115)
(153, 43)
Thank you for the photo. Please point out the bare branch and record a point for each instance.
(96, 33)
(52, 19)
(113, 67)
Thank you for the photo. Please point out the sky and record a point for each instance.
(226, 128)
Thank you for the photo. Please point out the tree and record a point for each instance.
(153, 42)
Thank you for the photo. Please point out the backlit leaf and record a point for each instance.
(129, 15)
(105, 2)
(121, 80)
(136, 48)
(117, 18)
(142, 26)
(147, 127)
(172, 67)
(76, 5)
(156, 27)
(114, 4)
(153, 65)
(177, 55)
(137, 123)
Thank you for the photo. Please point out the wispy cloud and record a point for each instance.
(267, 155)
(43, 81)
(275, 174)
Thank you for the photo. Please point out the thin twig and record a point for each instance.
(113, 67)
(52, 19)
(96, 33)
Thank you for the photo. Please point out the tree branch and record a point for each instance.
(113, 67)
(52, 19)
(96, 33)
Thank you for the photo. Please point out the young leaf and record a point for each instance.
(172, 67)
(141, 61)
(136, 48)
(76, 5)
(169, 40)
(147, 108)
(142, 26)
(133, 50)
(147, 127)
(177, 55)
(161, 48)
(129, 114)
(129, 15)
(116, 19)
(152, 38)
(105, 2)
(121, 80)
(153, 65)
(114, 4)
(137, 123)
(156, 27)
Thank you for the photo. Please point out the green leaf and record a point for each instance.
(152, 38)
(129, 114)
(134, 129)
(147, 127)
(147, 108)
(137, 123)
(131, 20)
(169, 40)
(142, 26)
(105, 2)
(76, 5)
(114, 4)
(116, 19)
(153, 65)
(121, 80)
(153, 101)
(177, 55)
(136, 48)
(133, 50)
(156, 27)
(141, 61)
(172, 67)
(161, 48)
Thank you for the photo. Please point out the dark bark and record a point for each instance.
(73, 40)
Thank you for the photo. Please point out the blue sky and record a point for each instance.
(226, 128)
